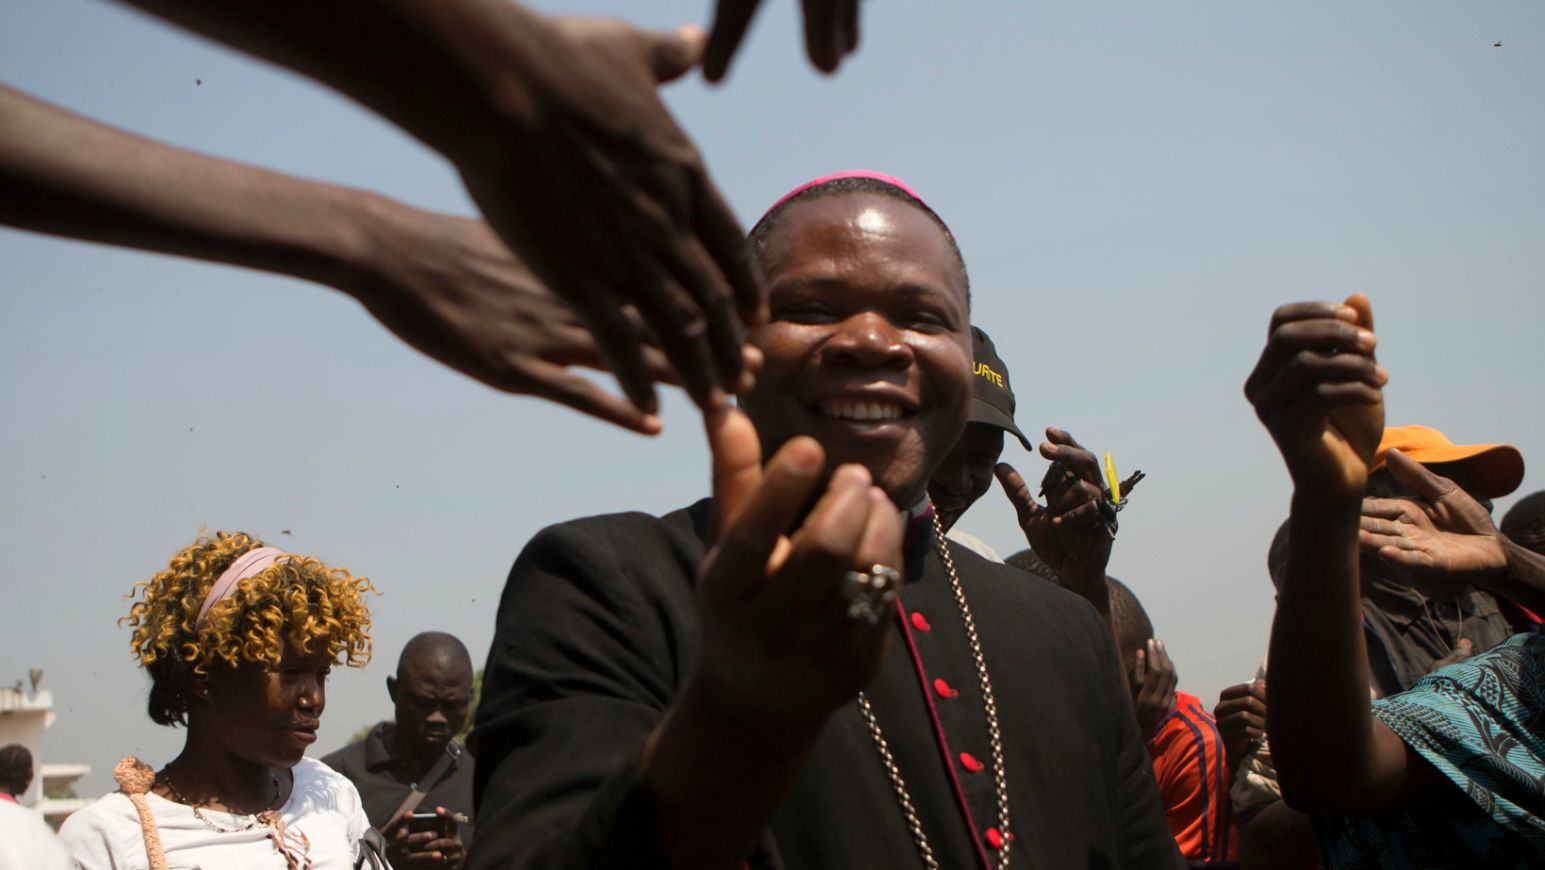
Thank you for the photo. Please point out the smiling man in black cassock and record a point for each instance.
(801, 672)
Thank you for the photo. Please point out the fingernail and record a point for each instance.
(1366, 339)
(747, 382)
(1382, 372)
(805, 462)
(1347, 312)
(852, 474)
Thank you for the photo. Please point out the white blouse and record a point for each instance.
(323, 806)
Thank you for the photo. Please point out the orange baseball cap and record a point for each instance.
(1495, 469)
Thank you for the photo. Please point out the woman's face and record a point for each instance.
(266, 715)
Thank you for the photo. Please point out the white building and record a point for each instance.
(26, 712)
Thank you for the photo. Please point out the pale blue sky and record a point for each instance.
(1135, 187)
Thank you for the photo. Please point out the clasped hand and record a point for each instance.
(1319, 392)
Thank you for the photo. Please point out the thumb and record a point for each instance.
(737, 464)
(1416, 476)
(1018, 491)
(672, 53)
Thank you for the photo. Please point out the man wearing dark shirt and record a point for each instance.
(733, 685)
(1413, 626)
(430, 692)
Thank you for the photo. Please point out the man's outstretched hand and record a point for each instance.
(1447, 535)
(779, 644)
(450, 288)
(831, 31)
(1067, 533)
(1319, 392)
(587, 177)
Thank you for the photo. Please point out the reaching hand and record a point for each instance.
(1153, 687)
(1447, 535)
(779, 643)
(588, 179)
(831, 31)
(1463, 649)
(1067, 533)
(447, 286)
(1241, 715)
(429, 850)
(1319, 392)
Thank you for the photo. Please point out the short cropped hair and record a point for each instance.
(1027, 560)
(1524, 522)
(1128, 618)
(15, 768)
(297, 603)
(757, 240)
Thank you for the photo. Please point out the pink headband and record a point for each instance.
(248, 564)
(892, 180)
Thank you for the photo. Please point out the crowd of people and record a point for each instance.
(813, 666)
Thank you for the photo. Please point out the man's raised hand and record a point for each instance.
(1448, 534)
(1067, 533)
(1153, 684)
(1241, 715)
(586, 176)
(1319, 392)
(779, 643)
(450, 288)
(831, 31)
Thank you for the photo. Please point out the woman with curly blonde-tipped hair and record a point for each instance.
(238, 639)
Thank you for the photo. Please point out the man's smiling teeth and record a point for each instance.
(853, 410)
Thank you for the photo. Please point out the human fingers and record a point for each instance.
(555, 383)
(724, 239)
(825, 547)
(1418, 477)
(1018, 493)
(621, 342)
(850, 13)
(1085, 499)
(1316, 310)
(730, 21)
(680, 325)
(735, 454)
(673, 53)
(1309, 384)
(823, 34)
(880, 545)
(1062, 447)
(1394, 509)
(720, 324)
(737, 563)
(1298, 339)
(1165, 666)
(1140, 668)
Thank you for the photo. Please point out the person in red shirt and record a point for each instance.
(1182, 738)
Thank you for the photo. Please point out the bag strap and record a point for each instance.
(135, 778)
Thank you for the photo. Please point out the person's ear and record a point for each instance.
(391, 688)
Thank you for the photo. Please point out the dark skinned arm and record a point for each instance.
(1319, 393)
(444, 284)
(557, 129)
(780, 655)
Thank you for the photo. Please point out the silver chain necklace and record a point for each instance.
(995, 736)
(252, 822)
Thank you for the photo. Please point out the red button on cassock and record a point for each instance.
(944, 689)
(994, 839)
(969, 762)
(920, 622)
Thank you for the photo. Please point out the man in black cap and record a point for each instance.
(967, 472)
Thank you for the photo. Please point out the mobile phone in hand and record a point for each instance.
(442, 825)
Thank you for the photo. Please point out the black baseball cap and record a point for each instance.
(994, 398)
